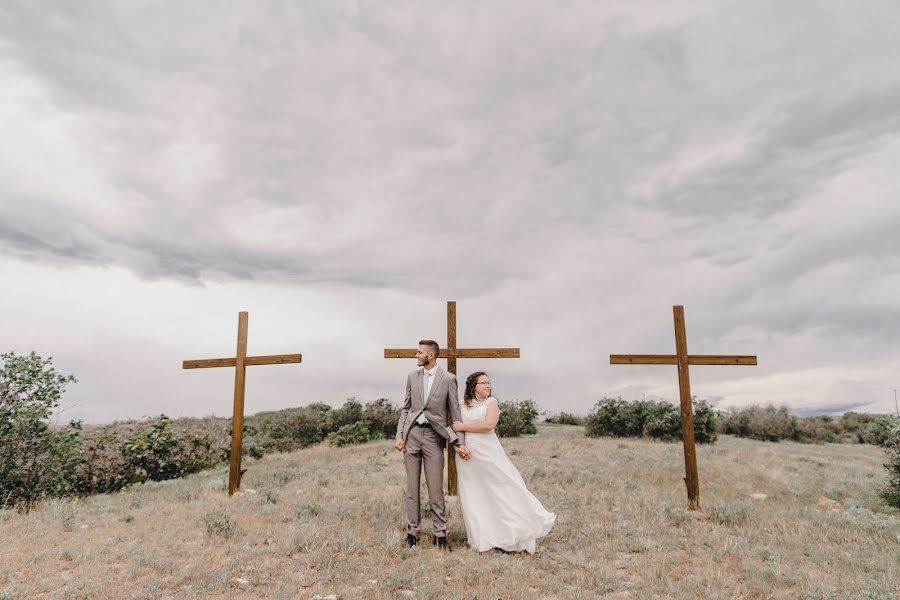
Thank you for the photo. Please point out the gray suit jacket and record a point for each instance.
(441, 406)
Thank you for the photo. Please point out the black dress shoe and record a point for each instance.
(442, 544)
(411, 540)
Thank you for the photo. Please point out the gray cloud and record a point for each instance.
(570, 170)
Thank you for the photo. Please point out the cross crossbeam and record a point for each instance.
(672, 359)
(275, 359)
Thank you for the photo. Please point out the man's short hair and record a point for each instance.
(432, 346)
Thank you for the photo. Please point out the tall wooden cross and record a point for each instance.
(451, 353)
(683, 359)
(239, 362)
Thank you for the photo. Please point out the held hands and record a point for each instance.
(458, 426)
(400, 445)
(462, 452)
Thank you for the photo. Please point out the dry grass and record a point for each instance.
(328, 521)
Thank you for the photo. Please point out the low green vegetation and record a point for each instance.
(770, 423)
(517, 418)
(40, 461)
(614, 417)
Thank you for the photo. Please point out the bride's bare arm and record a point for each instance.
(490, 420)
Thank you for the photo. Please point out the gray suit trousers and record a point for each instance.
(423, 445)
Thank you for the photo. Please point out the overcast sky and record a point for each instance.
(566, 171)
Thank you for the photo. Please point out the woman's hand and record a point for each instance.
(458, 426)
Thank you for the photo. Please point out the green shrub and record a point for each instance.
(352, 433)
(705, 422)
(104, 467)
(615, 417)
(876, 431)
(565, 418)
(818, 429)
(349, 413)
(891, 492)
(294, 428)
(320, 408)
(382, 416)
(760, 423)
(612, 417)
(517, 418)
(289, 429)
(35, 459)
(63, 461)
(157, 453)
(664, 424)
(772, 424)
(118, 454)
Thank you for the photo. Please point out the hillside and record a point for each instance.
(329, 521)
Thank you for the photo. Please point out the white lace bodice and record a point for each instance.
(478, 411)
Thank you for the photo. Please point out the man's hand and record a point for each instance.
(400, 445)
(462, 452)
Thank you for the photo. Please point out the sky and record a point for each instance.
(565, 171)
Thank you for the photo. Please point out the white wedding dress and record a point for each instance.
(498, 510)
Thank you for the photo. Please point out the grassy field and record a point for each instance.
(328, 523)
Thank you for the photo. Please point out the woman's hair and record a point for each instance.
(471, 380)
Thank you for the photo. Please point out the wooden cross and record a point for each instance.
(683, 359)
(451, 353)
(239, 362)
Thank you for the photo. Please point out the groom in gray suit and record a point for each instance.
(432, 401)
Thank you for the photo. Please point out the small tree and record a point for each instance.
(382, 417)
(517, 418)
(35, 460)
(349, 413)
(357, 432)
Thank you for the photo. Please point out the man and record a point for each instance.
(422, 431)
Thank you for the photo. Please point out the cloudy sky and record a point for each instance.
(566, 171)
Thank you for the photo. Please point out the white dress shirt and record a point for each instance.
(428, 377)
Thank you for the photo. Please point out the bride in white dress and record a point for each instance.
(498, 510)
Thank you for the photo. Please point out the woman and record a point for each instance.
(498, 509)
